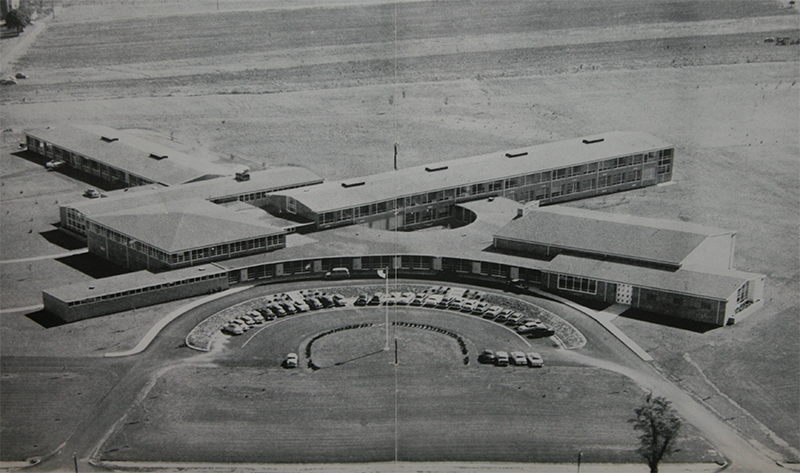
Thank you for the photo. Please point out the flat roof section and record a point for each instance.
(644, 239)
(719, 285)
(260, 181)
(459, 172)
(128, 282)
(176, 226)
(132, 154)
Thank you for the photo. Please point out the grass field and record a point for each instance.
(313, 84)
(362, 407)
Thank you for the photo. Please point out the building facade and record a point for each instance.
(426, 195)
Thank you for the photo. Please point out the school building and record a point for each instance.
(427, 195)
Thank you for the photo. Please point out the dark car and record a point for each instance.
(361, 300)
(313, 303)
(518, 286)
(375, 300)
(486, 357)
(326, 301)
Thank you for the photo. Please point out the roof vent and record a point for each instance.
(434, 169)
(352, 184)
(589, 142)
(158, 157)
(109, 140)
(516, 155)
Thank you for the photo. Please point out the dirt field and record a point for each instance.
(291, 84)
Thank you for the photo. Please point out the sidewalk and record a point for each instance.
(604, 318)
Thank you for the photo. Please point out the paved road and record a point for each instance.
(135, 375)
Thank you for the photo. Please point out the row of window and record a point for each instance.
(576, 284)
(498, 186)
(268, 242)
(88, 165)
(252, 196)
(156, 287)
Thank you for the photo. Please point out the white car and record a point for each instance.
(518, 358)
(535, 360)
(290, 361)
(91, 193)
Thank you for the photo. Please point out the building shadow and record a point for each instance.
(62, 239)
(92, 265)
(46, 319)
(665, 320)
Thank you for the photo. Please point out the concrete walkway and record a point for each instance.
(153, 332)
(604, 318)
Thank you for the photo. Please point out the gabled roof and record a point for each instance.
(460, 172)
(644, 239)
(124, 151)
(184, 225)
(720, 285)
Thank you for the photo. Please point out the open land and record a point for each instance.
(333, 86)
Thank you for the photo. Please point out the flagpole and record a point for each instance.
(386, 347)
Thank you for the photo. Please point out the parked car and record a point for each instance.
(433, 301)
(492, 312)
(241, 323)
(313, 303)
(406, 298)
(513, 319)
(486, 357)
(232, 329)
(53, 165)
(503, 316)
(339, 300)
(277, 309)
(517, 286)
(376, 299)
(501, 358)
(326, 301)
(91, 193)
(468, 306)
(338, 273)
(266, 313)
(419, 299)
(444, 303)
(518, 358)
(480, 308)
(290, 361)
(362, 299)
(257, 317)
(455, 304)
(535, 360)
(290, 309)
(301, 306)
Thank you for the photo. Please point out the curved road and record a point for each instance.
(136, 374)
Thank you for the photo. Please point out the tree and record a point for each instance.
(17, 19)
(659, 424)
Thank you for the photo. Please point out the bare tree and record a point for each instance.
(659, 424)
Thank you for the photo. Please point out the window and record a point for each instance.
(291, 205)
(571, 283)
(743, 293)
